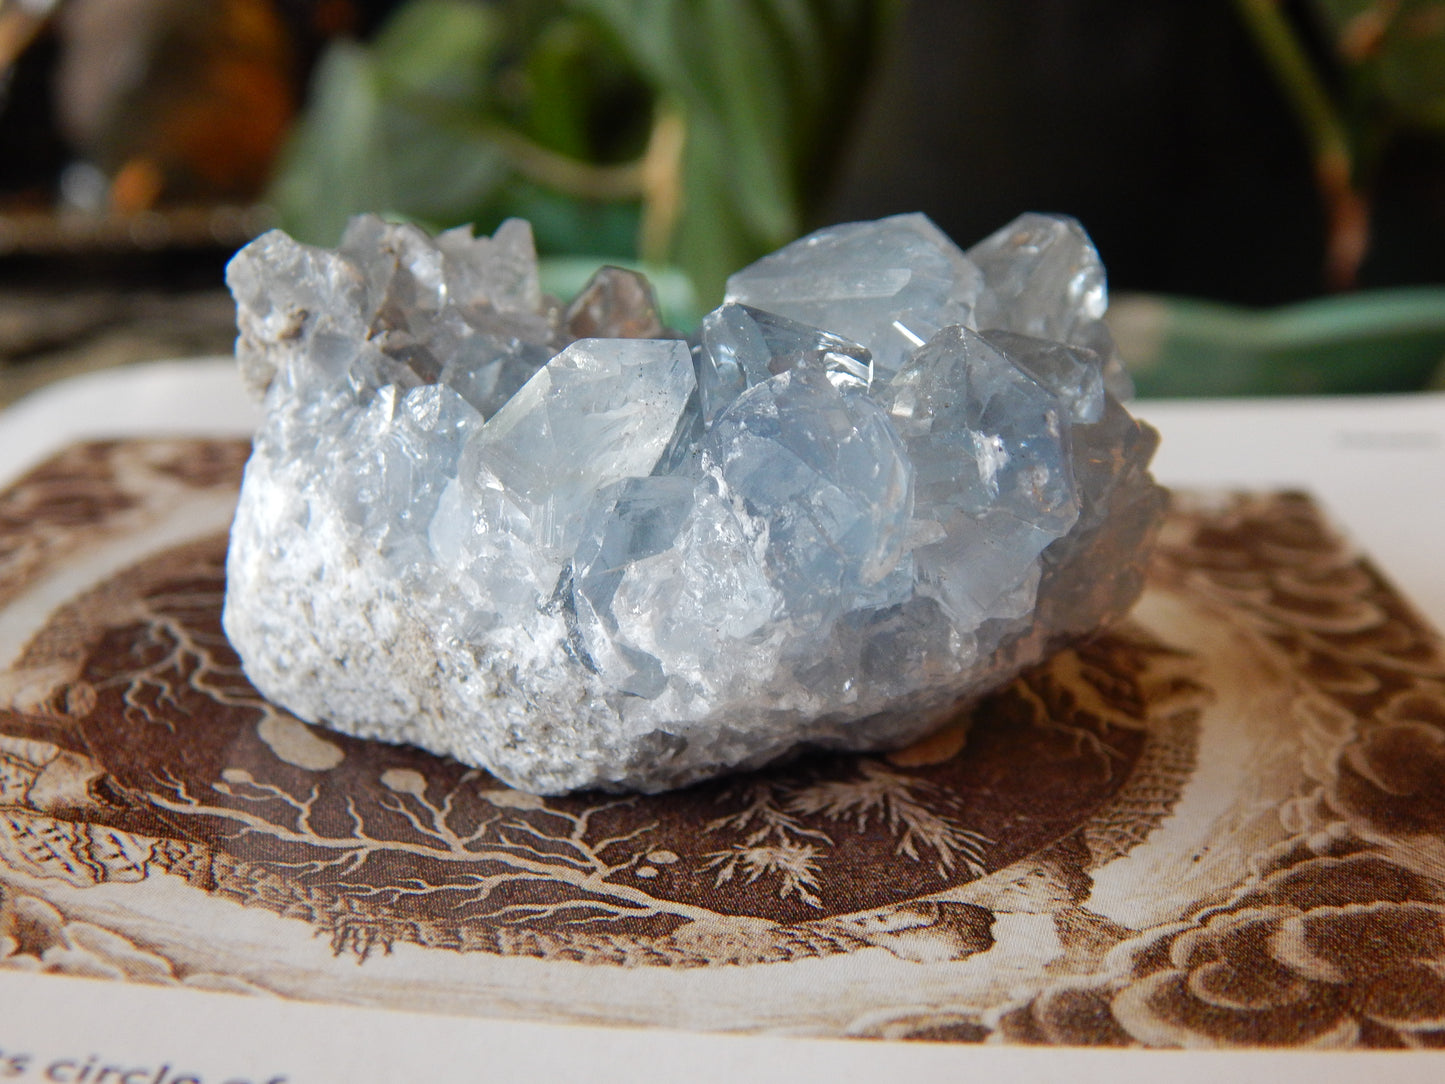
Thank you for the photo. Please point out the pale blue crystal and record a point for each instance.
(629, 521)
(1074, 373)
(459, 310)
(680, 455)
(496, 273)
(487, 543)
(825, 470)
(885, 476)
(402, 268)
(600, 411)
(703, 606)
(992, 470)
(1043, 277)
(888, 285)
(487, 369)
(742, 346)
(403, 449)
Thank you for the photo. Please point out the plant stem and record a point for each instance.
(570, 176)
(1347, 211)
(661, 185)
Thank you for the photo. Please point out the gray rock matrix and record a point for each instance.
(557, 544)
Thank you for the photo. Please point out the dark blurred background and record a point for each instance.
(1157, 125)
(1249, 152)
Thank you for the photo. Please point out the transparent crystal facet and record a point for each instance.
(825, 471)
(888, 285)
(743, 346)
(601, 410)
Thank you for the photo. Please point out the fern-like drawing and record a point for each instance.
(778, 843)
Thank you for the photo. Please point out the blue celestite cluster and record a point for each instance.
(570, 547)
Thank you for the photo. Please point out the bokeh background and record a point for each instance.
(1265, 179)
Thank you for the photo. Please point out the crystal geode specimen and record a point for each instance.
(566, 547)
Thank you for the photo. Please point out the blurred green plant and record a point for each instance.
(1351, 344)
(1380, 73)
(696, 135)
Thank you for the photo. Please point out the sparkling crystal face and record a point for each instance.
(555, 543)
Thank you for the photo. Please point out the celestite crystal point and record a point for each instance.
(888, 285)
(554, 543)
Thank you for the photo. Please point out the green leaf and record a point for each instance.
(466, 111)
(331, 166)
(390, 128)
(558, 90)
(1369, 342)
(441, 48)
(1395, 54)
(585, 99)
(765, 89)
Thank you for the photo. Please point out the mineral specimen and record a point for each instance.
(886, 476)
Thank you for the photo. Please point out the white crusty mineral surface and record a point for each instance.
(557, 544)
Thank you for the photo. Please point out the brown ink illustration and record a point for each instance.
(1220, 823)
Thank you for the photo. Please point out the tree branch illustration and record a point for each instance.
(184, 657)
(493, 854)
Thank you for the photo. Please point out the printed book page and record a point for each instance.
(1217, 828)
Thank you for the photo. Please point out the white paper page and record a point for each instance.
(197, 397)
(160, 1036)
(1376, 463)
